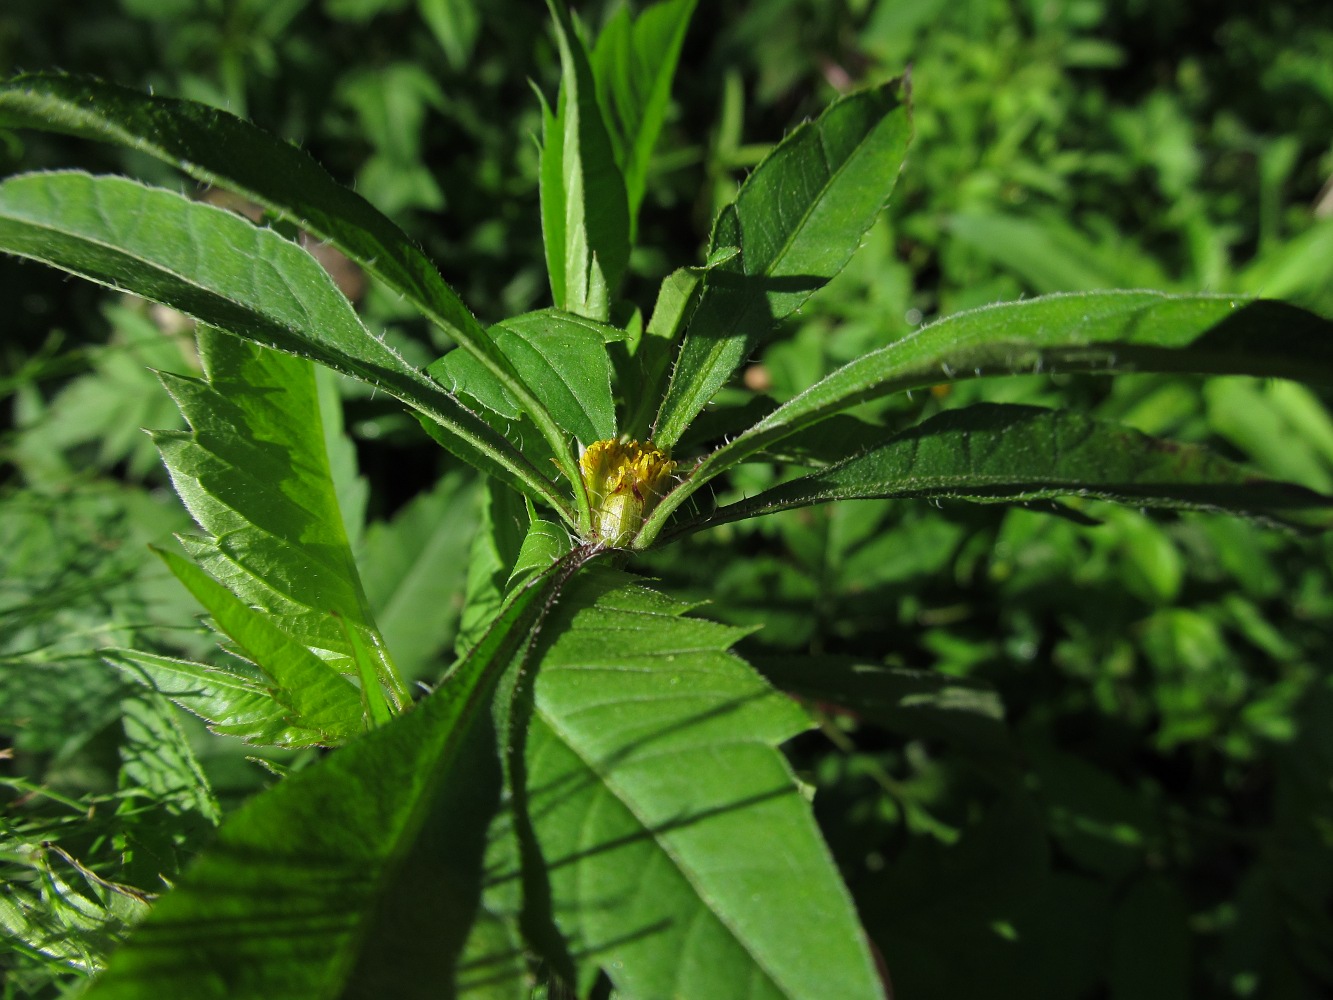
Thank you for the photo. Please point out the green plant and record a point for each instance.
(594, 789)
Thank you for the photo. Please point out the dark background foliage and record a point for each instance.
(1123, 788)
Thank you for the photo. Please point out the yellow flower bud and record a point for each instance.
(624, 481)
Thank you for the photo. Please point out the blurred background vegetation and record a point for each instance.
(1116, 780)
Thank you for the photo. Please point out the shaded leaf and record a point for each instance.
(316, 695)
(993, 452)
(501, 527)
(231, 702)
(415, 569)
(314, 888)
(634, 61)
(1105, 332)
(916, 703)
(255, 472)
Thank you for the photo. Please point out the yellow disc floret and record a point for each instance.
(624, 481)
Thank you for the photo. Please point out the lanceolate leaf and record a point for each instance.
(1106, 332)
(676, 299)
(218, 148)
(990, 452)
(797, 220)
(562, 355)
(634, 61)
(676, 850)
(585, 213)
(254, 471)
(226, 272)
(356, 877)
(316, 696)
(232, 703)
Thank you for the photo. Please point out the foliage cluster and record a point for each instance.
(1071, 738)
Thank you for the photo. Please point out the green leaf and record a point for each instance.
(501, 528)
(797, 220)
(561, 355)
(316, 695)
(357, 876)
(676, 300)
(676, 851)
(455, 25)
(633, 62)
(1050, 255)
(349, 486)
(585, 213)
(220, 149)
(415, 568)
(228, 273)
(232, 703)
(167, 806)
(1104, 332)
(993, 452)
(918, 703)
(254, 471)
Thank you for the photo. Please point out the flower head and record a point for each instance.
(624, 481)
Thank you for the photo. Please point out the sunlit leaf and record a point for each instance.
(797, 220)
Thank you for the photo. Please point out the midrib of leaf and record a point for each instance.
(627, 800)
(571, 390)
(670, 424)
(1051, 453)
(617, 749)
(215, 919)
(372, 241)
(398, 377)
(924, 362)
(831, 174)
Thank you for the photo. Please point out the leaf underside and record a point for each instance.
(1009, 453)
(1098, 332)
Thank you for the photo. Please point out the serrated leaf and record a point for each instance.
(228, 273)
(585, 213)
(993, 452)
(561, 355)
(167, 806)
(1104, 332)
(232, 703)
(677, 853)
(357, 876)
(314, 693)
(255, 472)
(217, 148)
(633, 62)
(797, 221)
